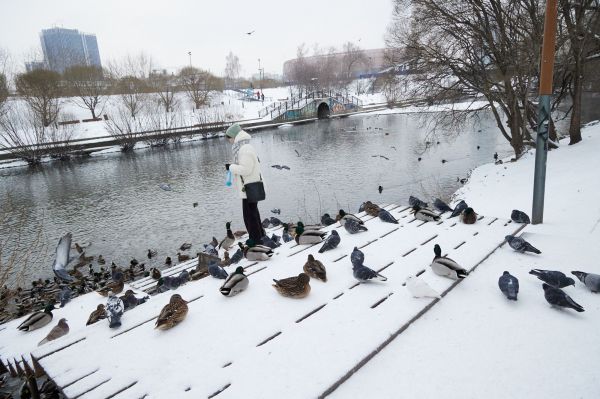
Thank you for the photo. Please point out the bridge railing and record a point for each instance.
(277, 109)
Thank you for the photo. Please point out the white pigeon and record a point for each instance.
(420, 289)
(62, 258)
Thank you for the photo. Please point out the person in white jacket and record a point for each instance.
(245, 169)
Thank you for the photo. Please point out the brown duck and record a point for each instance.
(115, 286)
(173, 313)
(315, 269)
(293, 287)
(372, 209)
(98, 314)
(182, 258)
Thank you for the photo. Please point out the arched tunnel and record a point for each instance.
(323, 111)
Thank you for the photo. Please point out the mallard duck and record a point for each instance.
(155, 273)
(101, 260)
(315, 269)
(371, 209)
(85, 259)
(151, 253)
(37, 319)
(293, 287)
(425, 214)
(62, 328)
(229, 240)
(235, 283)
(173, 313)
(446, 267)
(185, 246)
(343, 216)
(308, 237)
(114, 286)
(468, 216)
(255, 252)
(98, 314)
(182, 258)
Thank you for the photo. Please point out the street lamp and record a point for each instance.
(190, 54)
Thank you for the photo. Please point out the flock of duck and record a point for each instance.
(295, 286)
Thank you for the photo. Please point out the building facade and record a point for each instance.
(64, 48)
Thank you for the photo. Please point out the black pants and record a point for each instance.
(252, 221)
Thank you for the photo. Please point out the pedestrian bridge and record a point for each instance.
(317, 104)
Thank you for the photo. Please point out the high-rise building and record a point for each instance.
(64, 48)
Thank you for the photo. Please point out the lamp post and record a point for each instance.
(545, 95)
(190, 54)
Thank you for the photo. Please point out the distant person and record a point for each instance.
(247, 179)
(258, 95)
(262, 97)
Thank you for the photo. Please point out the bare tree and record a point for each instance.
(87, 83)
(232, 70)
(158, 124)
(352, 55)
(164, 88)
(485, 47)
(131, 74)
(4, 72)
(23, 134)
(59, 136)
(125, 128)
(41, 90)
(197, 85)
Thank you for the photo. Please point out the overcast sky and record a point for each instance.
(168, 29)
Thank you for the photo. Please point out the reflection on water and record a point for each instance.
(114, 202)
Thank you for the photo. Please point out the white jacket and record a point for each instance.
(247, 167)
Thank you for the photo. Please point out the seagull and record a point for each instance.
(420, 289)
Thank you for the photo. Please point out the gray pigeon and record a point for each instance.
(354, 227)
(332, 241)
(114, 310)
(130, 301)
(519, 217)
(269, 242)
(327, 220)
(217, 271)
(62, 258)
(363, 274)
(554, 278)
(361, 207)
(412, 201)
(276, 211)
(286, 236)
(237, 256)
(557, 297)
(64, 296)
(165, 186)
(387, 217)
(211, 248)
(461, 206)
(519, 244)
(357, 257)
(172, 283)
(592, 281)
(266, 223)
(509, 285)
(275, 222)
(441, 206)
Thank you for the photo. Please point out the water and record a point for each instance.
(114, 202)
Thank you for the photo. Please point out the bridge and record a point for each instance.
(317, 104)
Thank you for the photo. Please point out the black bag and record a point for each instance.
(255, 192)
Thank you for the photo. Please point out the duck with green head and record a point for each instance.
(254, 252)
(235, 283)
(308, 237)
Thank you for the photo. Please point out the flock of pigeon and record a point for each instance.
(299, 286)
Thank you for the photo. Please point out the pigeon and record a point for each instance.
(278, 167)
(519, 217)
(387, 217)
(441, 206)
(361, 208)
(412, 201)
(211, 248)
(165, 186)
(217, 271)
(266, 223)
(420, 289)
(276, 211)
(363, 274)
(592, 281)
(332, 241)
(357, 257)
(64, 296)
(237, 256)
(520, 245)
(114, 310)
(286, 236)
(62, 328)
(327, 220)
(461, 206)
(130, 301)
(62, 258)
(557, 297)
(554, 278)
(380, 188)
(285, 167)
(509, 285)
(276, 239)
(171, 282)
(274, 221)
(353, 227)
(269, 242)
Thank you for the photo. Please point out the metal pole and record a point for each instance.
(546, 74)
